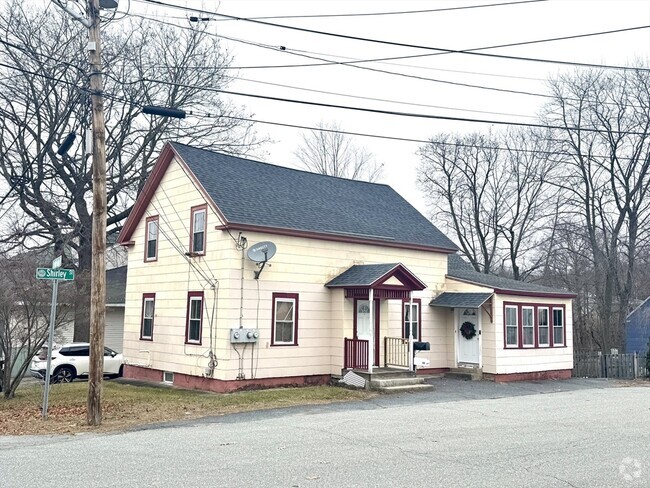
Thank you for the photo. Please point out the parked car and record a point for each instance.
(73, 360)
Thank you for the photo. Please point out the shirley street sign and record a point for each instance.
(55, 274)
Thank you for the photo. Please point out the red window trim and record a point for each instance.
(146, 296)
(190, 295)
(193, 210)
(147, 259)
(404, 303)
(293, 296)
(535, 307)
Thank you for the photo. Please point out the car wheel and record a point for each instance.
(65, 374)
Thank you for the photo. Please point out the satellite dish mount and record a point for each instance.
(261, 253)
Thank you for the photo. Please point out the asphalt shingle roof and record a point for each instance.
(361, 275)
(460, 299)
(457, 267)
(255, 193)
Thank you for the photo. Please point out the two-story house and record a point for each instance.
(245, 274)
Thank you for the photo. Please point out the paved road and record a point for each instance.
(576, 433)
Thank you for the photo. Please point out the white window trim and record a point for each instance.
(524, 327)
(189, 321)
(293, 321)
(194, 231)
(505, 329)
(416, 322)
(548, 327)
(144, 317)
(153, 222)
(556, 344)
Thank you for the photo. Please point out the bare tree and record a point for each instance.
(44, 96)
(606, 147)
(25, 316)
(328, 151)
(494, 194)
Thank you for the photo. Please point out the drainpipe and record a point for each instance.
(411, 331)
(371, 345)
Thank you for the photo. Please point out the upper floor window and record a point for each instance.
(284, 322)
(197, 229)
(411, 316)
(151, 239)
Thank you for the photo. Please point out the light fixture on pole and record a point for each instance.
(164, 111)
(107, 4)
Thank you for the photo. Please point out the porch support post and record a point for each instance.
(411, 331)
(371, 343)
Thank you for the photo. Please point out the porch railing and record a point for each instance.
(396, 352)
(356, 354)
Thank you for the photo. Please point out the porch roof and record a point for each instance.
(460, 299)
(375, 275)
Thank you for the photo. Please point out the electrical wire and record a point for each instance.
(439, 50)
(376, 14)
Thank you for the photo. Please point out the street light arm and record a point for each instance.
(75, 15)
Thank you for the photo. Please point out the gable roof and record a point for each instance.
(250, 195)
(369, 275)
(459, 269)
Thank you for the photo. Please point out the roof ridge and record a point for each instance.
(283, 167)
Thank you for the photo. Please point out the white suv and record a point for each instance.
(72, 360)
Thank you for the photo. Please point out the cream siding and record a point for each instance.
(301, 265)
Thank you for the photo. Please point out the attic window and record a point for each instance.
(197, 230)
(151, 239)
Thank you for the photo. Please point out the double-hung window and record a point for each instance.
(558, 327)
(512, 326)
(542, 327)
(146, 325)
(411, 319)
(285, 319)
(528, 326)
(197, 229)
(194, 325)
(151, 239)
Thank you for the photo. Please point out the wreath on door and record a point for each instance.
(468, 330)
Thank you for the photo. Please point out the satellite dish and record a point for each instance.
(261, 253)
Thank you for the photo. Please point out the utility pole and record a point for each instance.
(98, 270)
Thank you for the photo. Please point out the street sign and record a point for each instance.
(57, 262)
(55, 274)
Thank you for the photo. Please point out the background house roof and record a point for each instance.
(460, 269)
(116, 285)
(262, 194)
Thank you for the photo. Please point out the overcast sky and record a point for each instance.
(458, 29)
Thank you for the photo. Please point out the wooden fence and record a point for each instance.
(594, 364)
(355, 354)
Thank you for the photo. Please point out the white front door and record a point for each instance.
(468, 331)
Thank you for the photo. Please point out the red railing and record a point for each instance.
(356, 354)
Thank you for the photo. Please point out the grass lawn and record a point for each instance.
(127, 405)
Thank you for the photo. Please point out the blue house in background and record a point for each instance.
(637, 328)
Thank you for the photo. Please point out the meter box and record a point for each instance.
(242, 336)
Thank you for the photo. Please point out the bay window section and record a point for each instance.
(512, 327)
(528, 326)
(542, 327)
(558, 327)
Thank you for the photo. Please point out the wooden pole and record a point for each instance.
(98, 274)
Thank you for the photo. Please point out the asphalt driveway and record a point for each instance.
(580, 433)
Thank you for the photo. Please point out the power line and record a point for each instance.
(374, 14)
(439, 50)
(384, 112)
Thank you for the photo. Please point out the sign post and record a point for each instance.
(55, 274)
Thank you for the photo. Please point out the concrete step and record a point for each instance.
(379, 383)
(467, 374)
(406, 388)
